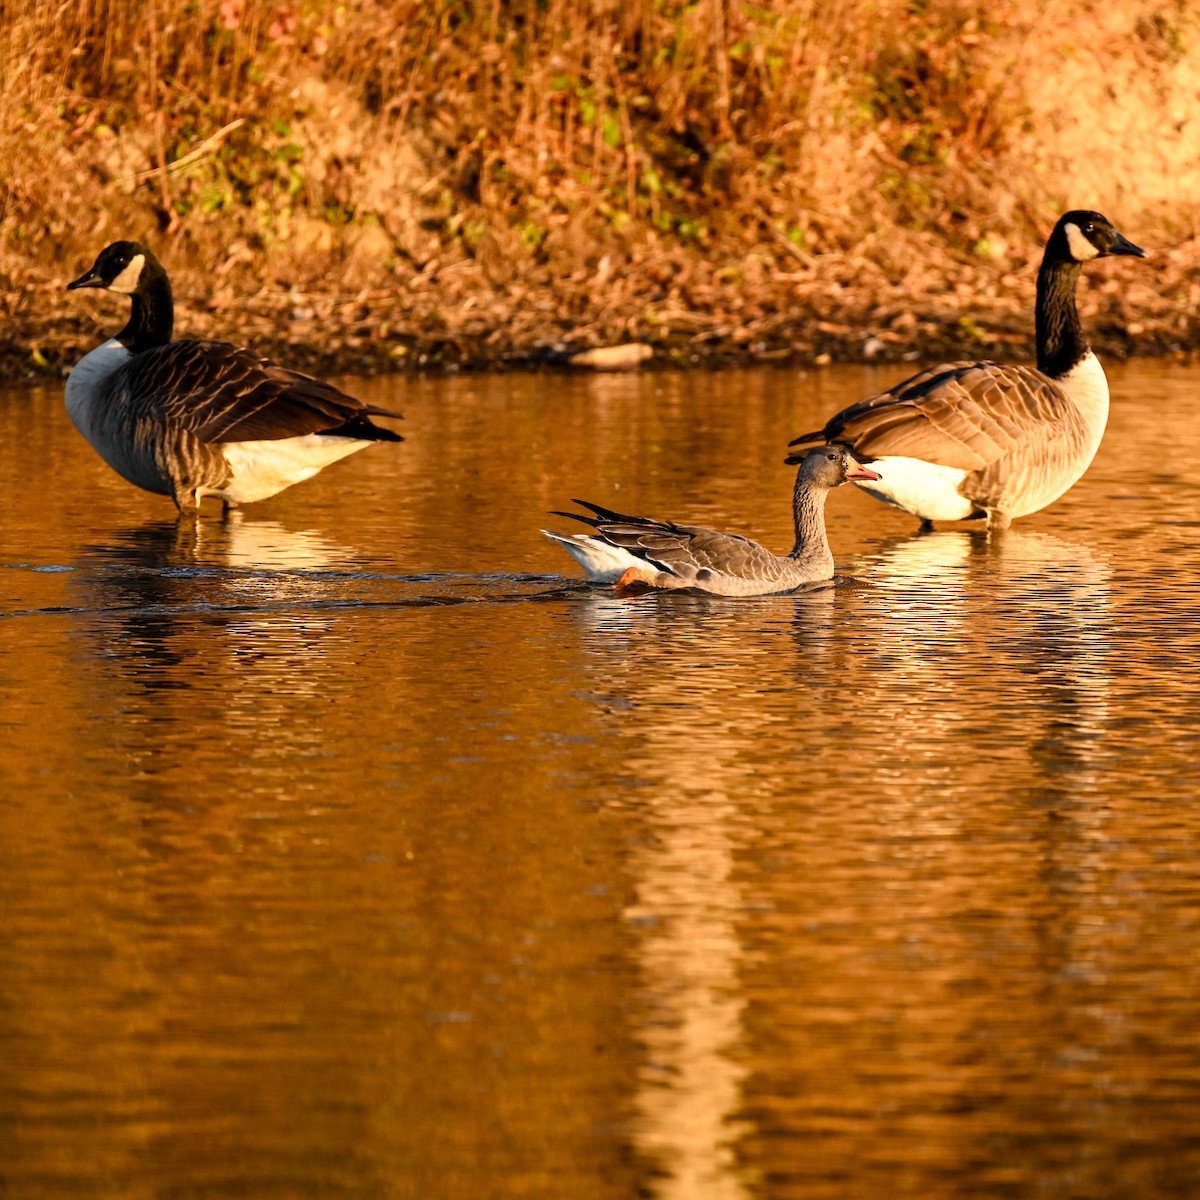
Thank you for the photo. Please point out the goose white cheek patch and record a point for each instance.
(126, 283)
(1081, 249)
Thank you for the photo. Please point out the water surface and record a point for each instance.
(352, 847)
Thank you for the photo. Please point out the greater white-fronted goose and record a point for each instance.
(626, 550)
(981, 439)
(193, 418)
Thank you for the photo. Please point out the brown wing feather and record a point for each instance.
(681, 550)
(964, 415)
(223, 393)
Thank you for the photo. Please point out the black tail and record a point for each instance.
(365, 430)
(604, 516)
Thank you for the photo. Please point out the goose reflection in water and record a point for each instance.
(701, 723)
(194, 658)
(680, 696)
(954, 613)
(236, 542)
(709, 699)
(152, 596)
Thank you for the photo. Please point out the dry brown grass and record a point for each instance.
(478, 180)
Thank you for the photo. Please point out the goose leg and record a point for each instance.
(997, 521)
(187, 501)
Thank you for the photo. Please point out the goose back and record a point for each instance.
(222, 393)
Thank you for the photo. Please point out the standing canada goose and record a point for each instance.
(975, 439)
(626, 550)
(193, 418)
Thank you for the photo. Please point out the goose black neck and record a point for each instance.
(1061, 343)
(808, 512)
(151, 316)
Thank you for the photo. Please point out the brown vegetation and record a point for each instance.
(387, 182)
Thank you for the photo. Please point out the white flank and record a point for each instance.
(602, 562)
(1081, 249)
(126, 283)
(260, 469)
(926, 489)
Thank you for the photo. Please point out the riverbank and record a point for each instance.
(380, 187)
(837, 311)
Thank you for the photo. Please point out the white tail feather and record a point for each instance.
(602, 562)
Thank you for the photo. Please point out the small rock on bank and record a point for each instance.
(627, 357)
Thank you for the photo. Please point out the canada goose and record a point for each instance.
(193, 418)
(626, 550)
(975, 439)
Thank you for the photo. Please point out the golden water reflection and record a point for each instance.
(352, 846)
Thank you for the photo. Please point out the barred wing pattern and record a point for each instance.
(221, 393)
(963, 415)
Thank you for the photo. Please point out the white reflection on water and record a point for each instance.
(690, 721)
(1021, 620)
(690, 1083)
(235, 543)
(266, 545)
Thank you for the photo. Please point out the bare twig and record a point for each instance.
(206, 147)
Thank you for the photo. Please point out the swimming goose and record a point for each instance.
(626, 550)
(975, 439)
(193, 418)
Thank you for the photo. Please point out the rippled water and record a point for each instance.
(351, 847)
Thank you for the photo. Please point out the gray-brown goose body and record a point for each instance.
(624, 550)
(982, 439)
(195, 418)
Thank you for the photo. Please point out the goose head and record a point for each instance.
(122, 267)
(831, 466)
(1081, 235)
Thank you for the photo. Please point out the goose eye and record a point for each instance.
(1089, 228)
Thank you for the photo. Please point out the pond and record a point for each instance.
(354, 846)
